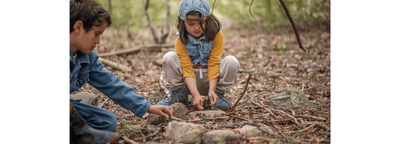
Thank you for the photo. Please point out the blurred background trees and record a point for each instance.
(130, 14)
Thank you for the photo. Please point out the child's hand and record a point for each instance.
(198, 102)
(161, 110)
(213, 98)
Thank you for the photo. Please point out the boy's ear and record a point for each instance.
(78, 26)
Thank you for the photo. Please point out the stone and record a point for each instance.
(289, 98)
(87, 98)
(250, 131)
(128, 129)
(218, 136)
(180, 111)
(181, 132)
(208, 113)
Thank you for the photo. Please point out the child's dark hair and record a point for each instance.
(212, 27)
(89, 12)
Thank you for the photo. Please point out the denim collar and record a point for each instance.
(193, 40)
(80, 57)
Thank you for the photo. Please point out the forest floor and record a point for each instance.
(272, 56)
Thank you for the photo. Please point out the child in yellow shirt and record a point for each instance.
(196, 64)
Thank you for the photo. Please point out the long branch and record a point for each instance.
(245, 89)
(291, 21)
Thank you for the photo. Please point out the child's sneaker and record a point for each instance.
(177, 95)
(223, 104)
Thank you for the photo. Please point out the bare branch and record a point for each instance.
(291, 21)
(244, 91)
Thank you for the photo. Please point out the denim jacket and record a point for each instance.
(88, 69)
(199, 51)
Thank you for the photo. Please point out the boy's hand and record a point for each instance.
(161, 110)
(198, 102)
(213, 98)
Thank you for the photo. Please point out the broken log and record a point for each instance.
(138, 48)
(114, 65)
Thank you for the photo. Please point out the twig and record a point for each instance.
(313, 117)
(144, 138)
(151, 135)
(129, 140)
(263, 107)
(101, 105)
(177, 119)
(302, 129)
(238, 117)
(295, 120)
(114, 65)
(317, 123)
(250, 9)
(291, 21)
(244, 91)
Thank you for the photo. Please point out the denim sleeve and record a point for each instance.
(116, 89)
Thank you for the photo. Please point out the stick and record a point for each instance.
(291, 21)
(177, 119)
(313, 117)
(129, 140)
(245, 89)
(317, 123)
(263, 107)
(101, 105)
(151, 135)
(114, 65)
(302, 129)
(295, 120)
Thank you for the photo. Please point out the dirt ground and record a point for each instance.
(272, 56)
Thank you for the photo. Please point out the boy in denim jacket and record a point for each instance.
(90, 124)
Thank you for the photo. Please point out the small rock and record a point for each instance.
(182, 132)
(289, 98)
(250, 131)
(265, 128)
(220, 135)
(208, 113)
(87, 98)
(180, 111)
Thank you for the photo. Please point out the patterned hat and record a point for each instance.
(201, 6)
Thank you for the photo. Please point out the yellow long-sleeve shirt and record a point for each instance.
(213, 61)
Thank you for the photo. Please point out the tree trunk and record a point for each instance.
(166, 25)
(109, 7)
(150, 24)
